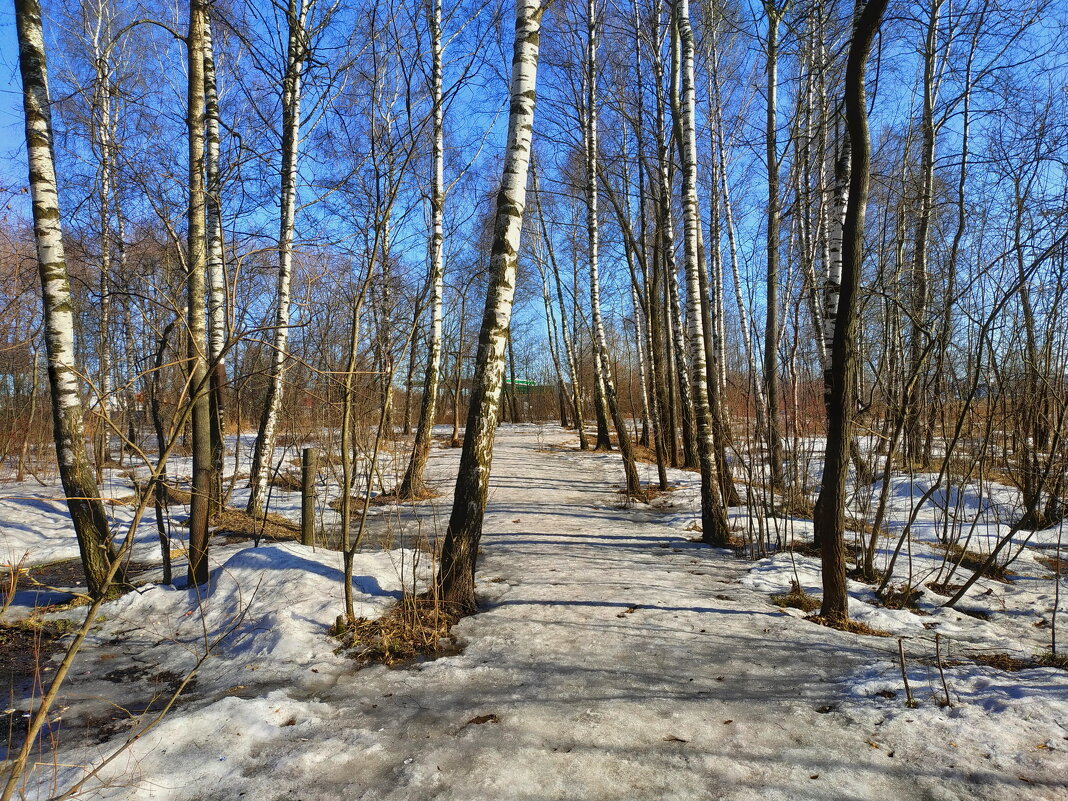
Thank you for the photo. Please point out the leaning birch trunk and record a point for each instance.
(83, 496)
(456, 575)
(265, 439)
(412, 486)
(197, 305)
(216, 270)
(713, 516)
(633, 484)
(829, 517)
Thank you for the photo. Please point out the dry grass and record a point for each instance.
(797, 598)
(796, 506)
(1057, 565)
(974, 561)
(1051, 660)
(942, 588)
(391, 498)
(901, 597)
(414, 629)
(1010, 664)
(804, 547)
(1013, 664)
(852, 626)
(238, 522)
(647, 455)
(287, 481)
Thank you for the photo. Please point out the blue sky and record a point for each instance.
(12, 150)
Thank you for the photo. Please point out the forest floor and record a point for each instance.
(613, 658)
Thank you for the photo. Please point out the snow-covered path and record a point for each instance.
(614, 659)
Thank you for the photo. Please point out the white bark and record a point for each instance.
(197, 305)
(456, 575)
(600, 347)
(412, 485)
(217, 327)
(83, 497)
(713, 516)
(296, 55)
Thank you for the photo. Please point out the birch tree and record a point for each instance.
(202, 483)
(412, 486)
(217, 294)
(633, 484)
(83, 497)
(296, 55)
(829, 516)
(774, 15)
(713, 516)
(456, 574)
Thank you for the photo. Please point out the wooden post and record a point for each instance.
(307, 500)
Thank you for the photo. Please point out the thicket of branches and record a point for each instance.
(678, 280)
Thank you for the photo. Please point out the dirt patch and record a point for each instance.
(25, 650)
(1056, 564)
(61, 574)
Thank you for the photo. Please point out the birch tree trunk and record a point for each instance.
(295, 57)
(83, 496)
(633, 484)
(674, 332)
(412, 486)
(456, 574)
(217, 305)
(714, 525)
(771, 328)
(104, 122)
(829, 516)
(197, 304)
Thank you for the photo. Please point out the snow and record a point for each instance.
(613, 658)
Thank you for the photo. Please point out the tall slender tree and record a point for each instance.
(714, 527)
(600, 346)
(196, 264)
(412, 486)
(296, 56)
(83, 497)
(456, 574)
(829, 517)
